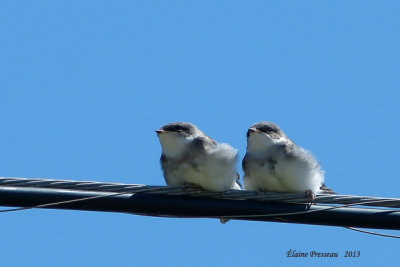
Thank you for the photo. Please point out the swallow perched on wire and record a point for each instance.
(189, 156)
(275, 163)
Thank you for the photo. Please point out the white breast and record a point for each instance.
(216, 170)
(288, 174)
(213, 169)
(173, 145)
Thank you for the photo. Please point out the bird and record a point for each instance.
(275, 163)
(190, 157)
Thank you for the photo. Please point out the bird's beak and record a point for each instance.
(159, 131)
(253, 130)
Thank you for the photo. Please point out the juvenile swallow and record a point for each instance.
(189, 156)
(275, 163)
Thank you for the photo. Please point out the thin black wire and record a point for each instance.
(372, 233)
(303, 212)
(62, 202)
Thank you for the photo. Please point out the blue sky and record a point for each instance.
(84, 84)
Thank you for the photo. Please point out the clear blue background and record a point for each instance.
(84, 84)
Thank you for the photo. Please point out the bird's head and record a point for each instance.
(264, 134)
(175, 137)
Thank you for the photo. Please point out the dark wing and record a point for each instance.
(201, 142)
(245, 164)
(163, 161)
(164, 165)
(288, 148)
(270, 161)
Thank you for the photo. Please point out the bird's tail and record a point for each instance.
(326, 190)
(238, 181)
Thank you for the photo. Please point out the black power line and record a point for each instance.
(195, 203)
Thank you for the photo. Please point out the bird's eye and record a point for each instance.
(176, 128)
(267, 129)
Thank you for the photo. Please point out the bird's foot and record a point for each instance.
(310, 195)
(223, 220)
(264, 191)
(190, 186)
